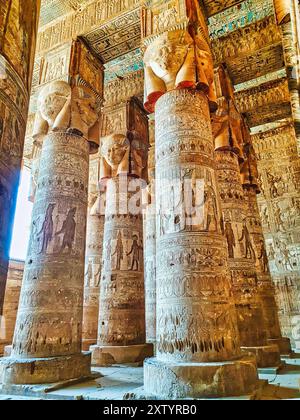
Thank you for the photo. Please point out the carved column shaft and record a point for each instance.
(17, 46)
(196, 318)
(49, 323)
(124, 155)
(242, 259)
(93, 268)
(150, 244)
(122, 303)
(48, 334)
(279, 203)
(266, 287)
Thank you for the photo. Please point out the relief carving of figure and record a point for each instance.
(246, 238)
(89, 273)
(135, 252)
(119, 252)
(263, 257)
(68, 230)
(115, 151)
(47, 228)
(211, 206)
(229, 233)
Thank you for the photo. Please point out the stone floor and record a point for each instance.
(119, 383)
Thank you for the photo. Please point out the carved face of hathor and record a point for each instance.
(53, 99)
(114, 149)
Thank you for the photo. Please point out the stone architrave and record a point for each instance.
(122, 330)
(18, 32)
(198, 345)
(48, 335)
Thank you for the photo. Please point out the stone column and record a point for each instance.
(242, 259)
(266, 289)
(230, 131)
(19, 21)
(198, 346)
(11, 303)
(48, 335)
(93, 268)
(122, 329)
(150, 244)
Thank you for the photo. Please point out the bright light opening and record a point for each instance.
(22, 223)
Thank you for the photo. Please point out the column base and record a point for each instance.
(266, 356)
(200, 380)
(284, 344)
(108, 356)
(44, 371)
(87, 344)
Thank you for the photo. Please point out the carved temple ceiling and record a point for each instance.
(52, 9)
(116, 38)
(244, 36)
(216, 6)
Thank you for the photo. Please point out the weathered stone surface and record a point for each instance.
(18, 33)
(279, 204)
(150, 243)
(266, 287)
(48, 330)
(43, 371)
(196, 317)
(183, 380)
(122, 293)
(93, 267)
(124, 157)
(242, 260)
(11, 303)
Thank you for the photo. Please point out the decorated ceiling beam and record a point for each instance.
(93, 15)
(239, 16)
(265, 103)
(214, 7)
(250, 52)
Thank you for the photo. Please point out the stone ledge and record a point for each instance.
(266, 356)
(118, 355)
(49, 370)
(201, 380)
